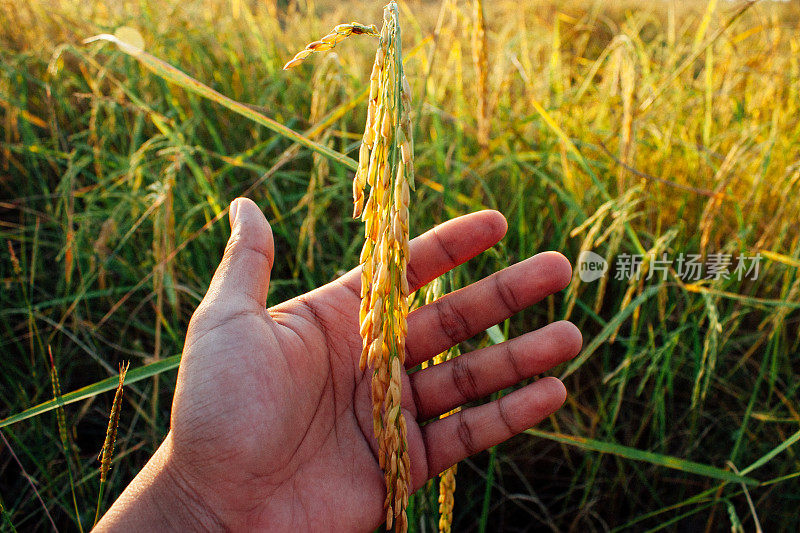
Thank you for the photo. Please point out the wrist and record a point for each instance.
(160, 498)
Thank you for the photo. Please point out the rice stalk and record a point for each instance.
(708, 357)
(447, 491)
(447, 479)
(163, 245)
(723, 177)
(385, 164)
(11, 131)
(627, 81)
(480, 58)
(556, 76)
(621, 210)
(594, 224)
(443, 23)
(107, 452)
(324, 90)
(708, 97)
(12, 255)
(6, 519)
(705, 22)
(97, 262)
(616, 232)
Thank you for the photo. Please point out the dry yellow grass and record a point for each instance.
(481, 60)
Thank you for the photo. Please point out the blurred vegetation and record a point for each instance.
(664, 127)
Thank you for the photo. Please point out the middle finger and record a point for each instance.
(466, 312)
(442, 387)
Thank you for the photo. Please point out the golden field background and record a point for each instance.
(623, 128)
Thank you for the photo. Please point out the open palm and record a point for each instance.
(271, 420)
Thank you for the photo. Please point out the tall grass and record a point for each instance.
(665, 128)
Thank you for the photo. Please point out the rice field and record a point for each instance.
(661, 136)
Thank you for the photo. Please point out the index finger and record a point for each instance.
(457, 316)
(444, 247)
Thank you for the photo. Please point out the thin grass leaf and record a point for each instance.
(6, 518)
(676, 519)
(750, 300)
(609, 328)
(172, 74)
(689, 61)
(635, 454)
(775, 451)
(496, 336)
(137, 374)
(29, 479)
(775, 256)
(548, 118)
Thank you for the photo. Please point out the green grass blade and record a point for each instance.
(775, 451)
(172, 74)
(676, 519)
(6, 519)
(496, 336)
(749, 300)
(137, 374)
(609, 328)
(483, 521)
(635, 454)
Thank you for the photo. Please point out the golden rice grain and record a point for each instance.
(337, 35)
(386, 166)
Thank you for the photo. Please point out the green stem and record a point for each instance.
(487, 492)
(99, 503)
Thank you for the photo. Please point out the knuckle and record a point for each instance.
(464, 379)
(445, 248)
(511, 361)
(453, 324)
(465, 435)
(244, 244)
(506, 419)
(412, 277)
(506, 294)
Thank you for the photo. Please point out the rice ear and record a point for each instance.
(337, 35)
(385, 164)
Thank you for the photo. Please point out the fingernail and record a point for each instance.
(234, 209)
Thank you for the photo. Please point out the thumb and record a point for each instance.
(244, 272)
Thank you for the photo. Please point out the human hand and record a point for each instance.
(272, 420)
